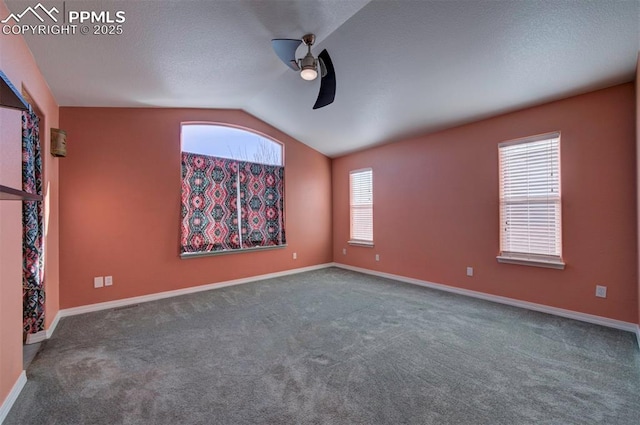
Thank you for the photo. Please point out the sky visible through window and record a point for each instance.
(229, 142)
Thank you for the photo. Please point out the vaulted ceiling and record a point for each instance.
(401, 66)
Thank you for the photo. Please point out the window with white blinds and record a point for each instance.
(530, 201)
(361, 206)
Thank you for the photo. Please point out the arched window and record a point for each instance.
(232, 143)
(232, 190)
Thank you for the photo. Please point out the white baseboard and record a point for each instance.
(43, 335)
(36, 337)
(12, 396)
(584, 317)
(53, 326)
(168, 294)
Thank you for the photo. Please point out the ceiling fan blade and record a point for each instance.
(327, 83)
(286, 48)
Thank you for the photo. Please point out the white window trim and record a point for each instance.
(188, 255)
(367, 244)
(529, 259)
(360, 242)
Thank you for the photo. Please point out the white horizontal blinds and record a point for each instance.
(361, 203)
(530, 210)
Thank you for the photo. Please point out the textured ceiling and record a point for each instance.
(401, 66)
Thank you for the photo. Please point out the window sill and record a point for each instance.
(187, 255)
(534, 262)
(365, 244)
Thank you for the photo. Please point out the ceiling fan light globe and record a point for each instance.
(309, 74)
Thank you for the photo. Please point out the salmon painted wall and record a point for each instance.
(637, 109)
(18, 64)
(120, 205)
(436, 206)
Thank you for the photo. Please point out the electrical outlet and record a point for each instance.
(108, 280)
(98, 282)
(377, 257)
(344, 251)
(295, 255)
(601, 291)
(469, 271)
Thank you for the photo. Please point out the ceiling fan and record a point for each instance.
(286, 48)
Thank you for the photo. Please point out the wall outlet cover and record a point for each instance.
(469, 271)
(98, 282)
(108, 280)
(601, 291)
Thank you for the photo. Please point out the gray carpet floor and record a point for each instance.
(29, 353)
(330, 347)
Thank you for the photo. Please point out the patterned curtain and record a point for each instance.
(210, 192)
(262, 204)
(32, 227)
(209, 204)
